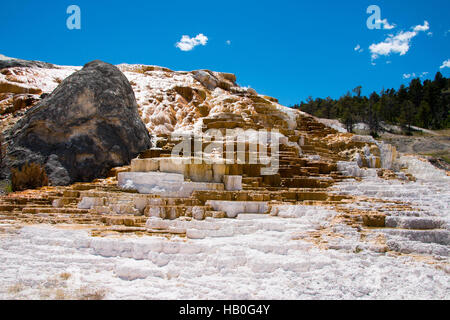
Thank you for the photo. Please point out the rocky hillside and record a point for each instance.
(167, 100)
(344, 216)
(178, 102)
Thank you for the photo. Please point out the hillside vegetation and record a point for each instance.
(422, 104)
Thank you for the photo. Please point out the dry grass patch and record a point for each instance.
(65, 276)
(16, 288)
(60, 294)
(86, 293)
(30, 176)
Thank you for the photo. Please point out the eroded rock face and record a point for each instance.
(6, 62)
(88, 125)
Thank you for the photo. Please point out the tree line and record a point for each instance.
(425, 105)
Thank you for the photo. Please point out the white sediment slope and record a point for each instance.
(261, 263)
(424, 228)
(251, 257)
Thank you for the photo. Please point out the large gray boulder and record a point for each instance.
(87, 126)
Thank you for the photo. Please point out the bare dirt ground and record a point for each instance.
(436, 146)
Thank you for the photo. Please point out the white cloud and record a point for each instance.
(414, 75)
(386, 24)
(425, 27)
(393, 44)
(399, 43)
(446, 64)
(358, 48)
(187, 43)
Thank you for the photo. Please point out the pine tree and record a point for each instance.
(423, 115)
(406, 116)
(348, 120)
(415, 92)
(425, 105)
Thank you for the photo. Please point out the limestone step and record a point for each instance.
(245, 195)
(37, 210)
(123, 229)
(191, 202)
(130, 221)
(252, 216)
(83, 186)
(311, 169)
(8, 218)
(305, 182)
(6, 207)
(24, 200)
(172, 212)
(439, 236)
(215, 214)
(63, 201)
(173, 231)
(71, 194)
(417, 223)
(251, 180)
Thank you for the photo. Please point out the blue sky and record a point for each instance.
(286, 49)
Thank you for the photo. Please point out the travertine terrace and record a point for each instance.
(344, 216)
